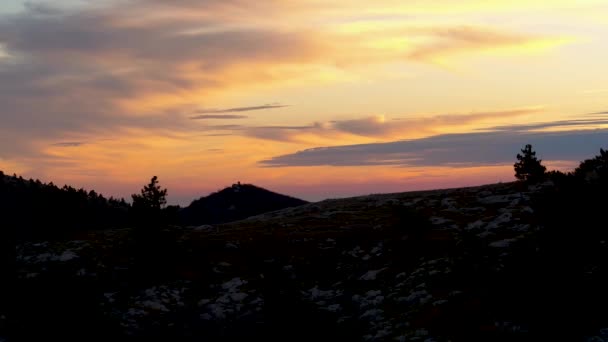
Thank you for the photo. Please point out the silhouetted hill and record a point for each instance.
(233, 203)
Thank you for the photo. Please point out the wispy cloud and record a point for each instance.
(222, 117)
(218, 135)
(224, 127)
(379, 127)
(282, 133)
(69, 144)
(241, 109)
(545, 125)
(447, 41)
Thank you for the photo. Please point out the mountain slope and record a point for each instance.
(470, 264)
(234, 203)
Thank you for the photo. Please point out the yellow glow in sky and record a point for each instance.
(202, 93)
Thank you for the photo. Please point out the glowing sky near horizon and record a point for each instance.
(311, 98)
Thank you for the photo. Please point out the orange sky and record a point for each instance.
(207, 93)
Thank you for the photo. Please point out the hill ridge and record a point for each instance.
(235, 202)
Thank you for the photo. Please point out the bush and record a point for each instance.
(594, 170)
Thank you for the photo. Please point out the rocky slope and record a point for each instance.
(421, 266)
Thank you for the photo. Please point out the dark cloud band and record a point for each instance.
(468, 149)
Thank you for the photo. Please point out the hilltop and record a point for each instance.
(233, 203)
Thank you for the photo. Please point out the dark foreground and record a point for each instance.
(504, 262)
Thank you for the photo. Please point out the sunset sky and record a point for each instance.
(311, 98)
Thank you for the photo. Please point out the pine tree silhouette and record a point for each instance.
(152, 196)
(528, 168)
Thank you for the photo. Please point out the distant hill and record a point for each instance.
(233, 203)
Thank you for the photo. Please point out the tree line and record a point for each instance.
(31, 209)
(593, 171)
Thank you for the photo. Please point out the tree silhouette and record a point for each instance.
(152, 197)
(594, 170)
(528, 168)
(149, 245)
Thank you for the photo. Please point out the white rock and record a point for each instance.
(373, 293)
(372, 314)
(371, 275)
(439, 302)
(502, 243)
(66, 256)
(204, 228)
(500, 220)
(475, 225)
(152, 305)
(203, 302)
(334, 308)
(238, 297)
(496, 199)
(316, 293)
(233, 284)
(376, 249)
(436, 220)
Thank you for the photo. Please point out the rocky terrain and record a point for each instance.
(444, 265)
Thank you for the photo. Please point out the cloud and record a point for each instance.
(223, 117)
(469, 39)
(106, 70)
(241, 109)
(219, 135)
(544, 125)
(40, 8)
(378, 126)
(69, 144)
(223, 127)
(374, 125)
(457, 150)
(75, 72)
(282, 133)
